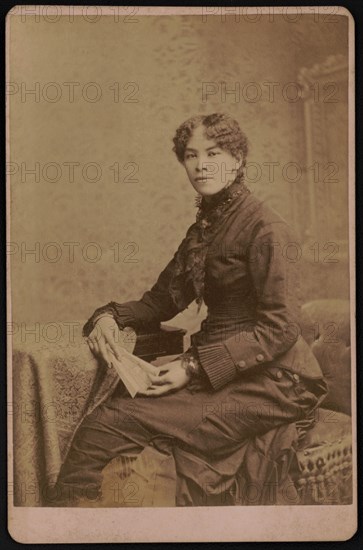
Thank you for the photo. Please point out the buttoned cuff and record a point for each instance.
(217, 364)
(251, 354)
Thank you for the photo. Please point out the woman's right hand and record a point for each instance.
(104, 334)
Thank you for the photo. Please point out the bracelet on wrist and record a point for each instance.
(191, 364)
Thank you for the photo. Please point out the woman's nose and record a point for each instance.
(201, 164)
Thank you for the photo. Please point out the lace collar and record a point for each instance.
(209, 212)
(224, 196)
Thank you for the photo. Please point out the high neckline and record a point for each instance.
(224, 196)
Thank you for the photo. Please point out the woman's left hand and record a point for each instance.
(174, 378)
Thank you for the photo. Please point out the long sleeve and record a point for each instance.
(155, 305)
(273, 270)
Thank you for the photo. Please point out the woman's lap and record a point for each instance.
(209, 424)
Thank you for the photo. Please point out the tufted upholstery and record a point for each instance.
(327, 330)
(325, 456)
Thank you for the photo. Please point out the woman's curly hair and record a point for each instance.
(218, 126)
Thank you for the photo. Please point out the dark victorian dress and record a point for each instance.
(260, 379)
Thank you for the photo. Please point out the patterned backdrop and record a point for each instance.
(138, 221)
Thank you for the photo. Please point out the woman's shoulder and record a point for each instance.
(258, 217)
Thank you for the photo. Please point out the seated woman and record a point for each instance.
(248, 355)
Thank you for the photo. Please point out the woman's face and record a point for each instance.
(209, 167)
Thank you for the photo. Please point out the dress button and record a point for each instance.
(242, 364)
(279, 374)
(260, 357)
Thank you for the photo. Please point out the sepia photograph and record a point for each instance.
(180, 260)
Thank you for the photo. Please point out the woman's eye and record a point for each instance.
(213, 153)
(190, 155)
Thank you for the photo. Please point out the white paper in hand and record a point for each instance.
(133, 371)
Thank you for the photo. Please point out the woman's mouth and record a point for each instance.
(202, 179)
